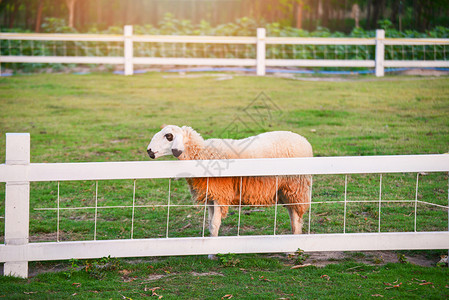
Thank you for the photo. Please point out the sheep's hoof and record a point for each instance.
(212, 256)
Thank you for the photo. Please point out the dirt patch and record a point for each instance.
(154, 277)
(206, 274)
(45, 237)
(317, 259)
(423, 72)
(321, 259)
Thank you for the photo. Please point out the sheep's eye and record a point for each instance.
(169, 137)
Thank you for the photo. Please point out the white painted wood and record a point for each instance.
(246, 62)
(261, 52)
(416, 63)
(63, 59)
(16, 269)
(195, 39)
(216, 39)
(406, 41)
(61, 37)
(17, 202)
(17, 149)
(319, 41)
(319, 63)
(240, 167)
(17, 172)
(226, 244)
(128, 50)
(260, 62)
(380, 52)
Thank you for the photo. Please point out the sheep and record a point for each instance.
(292, 191)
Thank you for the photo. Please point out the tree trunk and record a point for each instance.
(14, 13)
(71, 7)
(39, 16)
(155, 13)
(298, 14)
(417, 13)
(368, 14)
(395, 12)
(378, 8)
(99, 12)
(28, 7)
(355, 13)
(326, 9)
(82, 12)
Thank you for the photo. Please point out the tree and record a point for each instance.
(299, 8)
(39, 16)
(71, 7)
(14, 13)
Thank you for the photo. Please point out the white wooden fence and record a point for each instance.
(260, 62)
(18, 172)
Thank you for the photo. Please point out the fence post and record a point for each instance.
(17, 203)
(260, 60)
(129, 68)
(380, 52)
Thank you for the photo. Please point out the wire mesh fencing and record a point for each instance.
(162, 208)
(34, 51)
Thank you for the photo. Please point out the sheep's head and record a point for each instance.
(166, 142)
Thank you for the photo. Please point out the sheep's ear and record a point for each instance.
(178, 145)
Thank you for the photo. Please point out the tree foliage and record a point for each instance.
(307, 14)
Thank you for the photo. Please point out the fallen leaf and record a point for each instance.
(325, 276)
(300, 266)
(187, 226)
(29, 293)
(263, 278)
(377, 295)
(76, 284)
(153, 293)
(228, 296)
(74, 294)
(124, 272)
(393, 286)
(129, 279)
(425, 283)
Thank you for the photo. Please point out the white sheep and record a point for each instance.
(292, 191)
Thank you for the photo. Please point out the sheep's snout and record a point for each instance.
(151, 154)
(176, 152)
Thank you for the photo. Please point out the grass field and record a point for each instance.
(112, 118)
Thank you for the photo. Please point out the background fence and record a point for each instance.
(18, 172)
(259, 52)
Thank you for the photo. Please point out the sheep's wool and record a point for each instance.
(293, 191)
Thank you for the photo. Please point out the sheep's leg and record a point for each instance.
(210, 213)
(214, 222)
(214, 218)
(295, 220)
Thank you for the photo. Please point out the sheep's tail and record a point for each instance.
(295, 191)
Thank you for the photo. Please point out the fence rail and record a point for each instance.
(18, 172)
(258, 56)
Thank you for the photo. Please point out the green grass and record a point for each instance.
(104, 117)
(248, 277)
